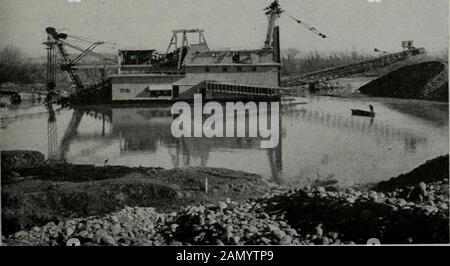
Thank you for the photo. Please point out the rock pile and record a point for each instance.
(310, 216)
(412, 208)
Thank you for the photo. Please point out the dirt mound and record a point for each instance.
(425, 81)
(35, 196)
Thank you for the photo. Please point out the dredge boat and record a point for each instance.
(186, 68)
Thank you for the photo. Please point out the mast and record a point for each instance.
(273, 12)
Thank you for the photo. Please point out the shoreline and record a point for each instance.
(257, 213)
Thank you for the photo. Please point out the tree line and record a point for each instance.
(293, 64)
(15, 67)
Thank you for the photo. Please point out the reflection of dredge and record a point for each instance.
(141, 129)
(52, 131)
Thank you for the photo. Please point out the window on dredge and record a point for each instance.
(236, 57)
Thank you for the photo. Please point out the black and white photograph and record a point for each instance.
(201, 123)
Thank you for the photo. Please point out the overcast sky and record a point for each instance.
(350, 24)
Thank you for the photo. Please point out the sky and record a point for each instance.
(360, 25)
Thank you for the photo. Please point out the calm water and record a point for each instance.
(319, 139)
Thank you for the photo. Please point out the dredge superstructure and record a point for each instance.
(185, 68)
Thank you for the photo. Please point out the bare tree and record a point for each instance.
(11, 60)
(291, 53)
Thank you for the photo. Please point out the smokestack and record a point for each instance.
(277, 50)
(276, 45)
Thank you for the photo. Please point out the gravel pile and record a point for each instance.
(427, 81)
(309, 216)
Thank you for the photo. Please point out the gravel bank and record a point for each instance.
(414, 212)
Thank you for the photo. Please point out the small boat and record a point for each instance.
(358, 112)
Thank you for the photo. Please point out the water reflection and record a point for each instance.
(360, 125)
(146, 129)
(319, 138)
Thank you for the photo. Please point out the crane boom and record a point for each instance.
(59, 42)
(64, 60)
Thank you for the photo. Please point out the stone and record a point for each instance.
(70, 230)
(115, 229)
(222, 205)
(373, 195)
(279, 234)
(271, 227)
(443, 206)
(351, 200)
(291, 232)
(173, 227)
(229, 228)
(265, 240)
(108, 240)
(252, 229)
(20, 234)
(334, 235)
(248, 235)
(150, 226)
(80, 226)
(84, 234)
(319, 230)
(321, 190)
(430, 209)
(422, 186)
(325, 241)
(287, 240)
(114, 219)
(175, 243)
(263, 215)
(402, 202)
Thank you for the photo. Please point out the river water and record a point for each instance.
(320, 139)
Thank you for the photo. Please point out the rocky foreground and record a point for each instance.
(412, 209)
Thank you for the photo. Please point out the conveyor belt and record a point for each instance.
(352, 69)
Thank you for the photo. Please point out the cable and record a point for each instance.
(308, 27)
(345, 42)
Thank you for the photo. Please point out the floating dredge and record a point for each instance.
(185, 68)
